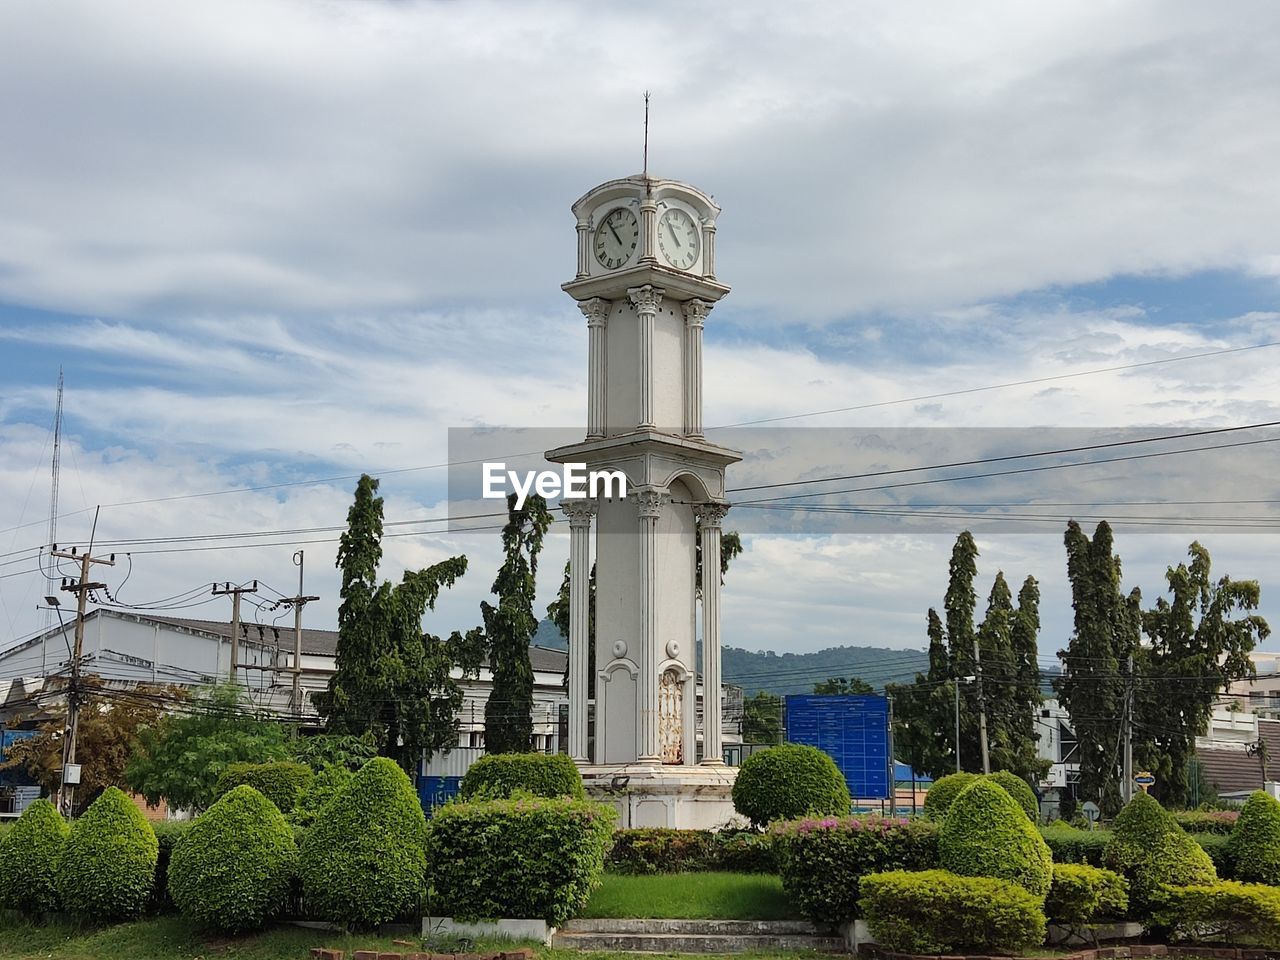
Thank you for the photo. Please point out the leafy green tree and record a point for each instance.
(843, 686)
(322, 750)
(762, 718)
(1023, 636)
(179, 758)
(1197, 647)
(509, 627)
(392, 679)
(1091, 687)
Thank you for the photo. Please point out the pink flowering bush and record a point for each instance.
(822, 860)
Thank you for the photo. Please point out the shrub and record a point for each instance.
(1153, 852)
(1073, 845)
(936, 912)
(744, 851)
(822, 861)
(233, 869)
(986, 834)
(944, 790)
(1207, 821)
(108, 865)
(1020, 790)
(542, 774)
(282, 782)
(529, 858)
(1082, 895)
(1227, 910)
(661, 850)
(29, 852)
(169, 834)
(788, 781)
(1254, 844)
(363, 862)
(1218, 847)
(324, 786)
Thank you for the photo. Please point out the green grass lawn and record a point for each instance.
(692, 896)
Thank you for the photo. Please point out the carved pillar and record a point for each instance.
(596, 311)
(579, 513)
(649, 506)
(648, 230)
(709, 249)
(647, 300)
(695, 314)
(710, 517)
(584, 248)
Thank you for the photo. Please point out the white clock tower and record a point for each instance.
(646, 283)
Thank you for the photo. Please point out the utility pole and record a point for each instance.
(957, 685)
(893, 771)
(298, 602)
(982, 708)
(234, 593)
(1126, 779)
(81, 588)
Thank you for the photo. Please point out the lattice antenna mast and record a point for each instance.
(646, 134)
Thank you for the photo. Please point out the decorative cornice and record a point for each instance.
(710, 515)
(695, 311)
(596, 310)
(647, 299)
(650, 503)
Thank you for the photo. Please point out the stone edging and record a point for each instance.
(320, 953)
(1132, 952)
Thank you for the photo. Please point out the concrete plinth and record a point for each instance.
(653, 795)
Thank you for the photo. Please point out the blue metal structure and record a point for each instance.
(853, 730)
(437, 791)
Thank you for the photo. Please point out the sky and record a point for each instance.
(274, 244)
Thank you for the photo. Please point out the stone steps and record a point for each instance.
(696, 936)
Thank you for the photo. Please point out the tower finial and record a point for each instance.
(646, 134)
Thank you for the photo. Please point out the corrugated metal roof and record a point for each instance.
(1234, 771)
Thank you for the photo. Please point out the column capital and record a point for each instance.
(695, 311)
(596, 310)
(647, 299)
(650, 503)
(711, 515)
(579, 511)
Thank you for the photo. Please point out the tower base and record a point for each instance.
(693, 797)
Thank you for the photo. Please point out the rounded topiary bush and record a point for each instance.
(1153, 852)
(363, 862)
(1020, 790)
(789, 781)
(542, 774)
(1254, 845)
(29, 852)
(283, 782)
(108, 865)
(986, 834)
(944, 792)
(326, 785)
(233, 869)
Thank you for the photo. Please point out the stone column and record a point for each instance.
(709, 249)
(584, 249)
(647, 300)
(695, 315)
(579, 513)
(596, 311)
(710, 517)
(649, 507)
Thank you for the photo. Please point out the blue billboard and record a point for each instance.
(853, 730)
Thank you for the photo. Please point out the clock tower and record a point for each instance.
(646, 283)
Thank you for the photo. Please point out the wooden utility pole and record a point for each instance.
(982, 708)
(1126, 777)
(81, 588)
(298, 602)
(893, 769)
(234, 593)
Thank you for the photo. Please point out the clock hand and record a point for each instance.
(671, 230)
(613, 231)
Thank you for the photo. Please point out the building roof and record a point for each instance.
(1234, 771)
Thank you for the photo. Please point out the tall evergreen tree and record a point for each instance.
(1023, 637)
(392, 678)
(509, 627)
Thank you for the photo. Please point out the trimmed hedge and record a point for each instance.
(1072, 845)
(1228, 910)
(986, 834)
(944, 791)
(535, 857)
(1207, 821)
(1020, 790)
(1218, 847)
(364, 861)
(787, 781)
(823, 861)
(1254, 844)
(936, 912)
(29, 853)
(234, 868)
(326, 785)
(108, 866)
(497, 775)
(744, 851)
(650, 850)
(283, 782)
(1153, 852)
(1083, 895)
(169, 834)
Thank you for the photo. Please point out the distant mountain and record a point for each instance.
(549, 635)
(798, 672)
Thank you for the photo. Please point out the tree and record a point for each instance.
(179, 758)
(843, 686)
(1091, 687)
(107, 736)
(762, 718)
(1197, 647)
(1007, 641)
(509, 628)
(393, 679)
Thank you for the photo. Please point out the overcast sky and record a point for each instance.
(273, 242)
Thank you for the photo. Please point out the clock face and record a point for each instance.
(678, 238)
(616, 238)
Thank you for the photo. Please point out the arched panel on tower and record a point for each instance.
(677, 549)
(618, 704)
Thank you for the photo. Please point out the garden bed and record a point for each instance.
(873, 951)
(691, 896)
